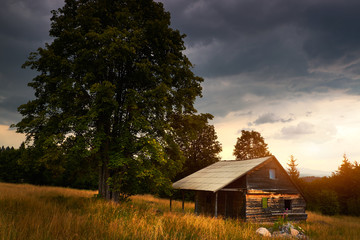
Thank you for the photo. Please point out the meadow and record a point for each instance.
(39, 212)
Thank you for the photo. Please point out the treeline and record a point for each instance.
(337, 194)
(25, 165)
(45, 165)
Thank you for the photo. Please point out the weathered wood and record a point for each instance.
(259, 179)
(242, 198)
(275, 206)
(183, 201)
(226, 203)
(216, 204)
(238, 183)
(232, 189)
(170, 203)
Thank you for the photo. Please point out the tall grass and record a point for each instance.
(32, 212)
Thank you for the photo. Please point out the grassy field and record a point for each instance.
(32, 212)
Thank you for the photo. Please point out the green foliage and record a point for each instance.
(280, 222)
(353, 206)
(338, 194)
(27, 165)
(250, 145)
(328, 203)
(108, 86)
(198, 142)
(10, 171)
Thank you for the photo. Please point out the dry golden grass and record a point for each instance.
(334, 227)
(32, 212)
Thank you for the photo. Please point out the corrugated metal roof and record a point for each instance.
(218, 175)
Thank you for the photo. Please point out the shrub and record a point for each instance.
(328, 202)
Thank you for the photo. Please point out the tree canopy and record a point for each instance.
(198, 142)
(250, 145)
(339, 193)
(108, 86)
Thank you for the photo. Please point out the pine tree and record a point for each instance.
(292, 169)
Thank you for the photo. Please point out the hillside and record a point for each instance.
(33, 212)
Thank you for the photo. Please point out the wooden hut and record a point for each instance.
(257, 190)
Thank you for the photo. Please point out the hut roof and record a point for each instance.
(218, 175)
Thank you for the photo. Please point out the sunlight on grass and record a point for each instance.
(32, 212)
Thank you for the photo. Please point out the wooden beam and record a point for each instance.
(225, 204)
(183, 201)
(170, 202)
(232, 189)
(216, 204)
(196, 203)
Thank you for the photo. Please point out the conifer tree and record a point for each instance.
(292, 169)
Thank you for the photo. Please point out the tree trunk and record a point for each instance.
(103, 154)
(104, 189)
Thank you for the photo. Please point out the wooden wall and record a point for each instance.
(239, 183)
(230, 204)
(259, 179)
(275, 207)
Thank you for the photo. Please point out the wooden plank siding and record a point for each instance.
(239, 183)
(275, 207)
(276, 191)
(230, 203)
(259, 178)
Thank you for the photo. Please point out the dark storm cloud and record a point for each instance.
(277, 49)
(334, 28)
(282, 32)
(270, 49)
(250, 35)
(24, 26)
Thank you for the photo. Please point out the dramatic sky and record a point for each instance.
(287, 69)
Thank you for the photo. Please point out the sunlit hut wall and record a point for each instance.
(254, 190)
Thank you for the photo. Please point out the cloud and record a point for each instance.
(274, 49)
(302, 128)
(9, 137)
(24, 26)
(270, 118)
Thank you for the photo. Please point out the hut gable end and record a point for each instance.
(271, 177)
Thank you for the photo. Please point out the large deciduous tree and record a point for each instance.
(108, 85)
(198, 142)
(250, 145)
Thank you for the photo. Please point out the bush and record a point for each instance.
(328, 202)
(353, 206)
